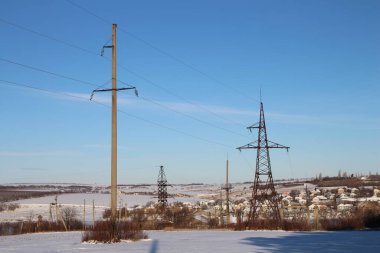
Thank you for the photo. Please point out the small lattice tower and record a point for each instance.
(162, 185)
(265, 200)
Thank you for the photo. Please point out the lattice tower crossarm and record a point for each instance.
(264, 201)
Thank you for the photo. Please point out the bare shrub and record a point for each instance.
(69, 216)
(258, 224)
(113, 231)
(138, 216)
(296, 225)
(372, 220)
(122, 213)
(240, 225)
(371, 215)
(342, 223)
(9, 207)
(294, 193)
(130, 231)
(180, 216)
(15, 228)
(13, 206)
(212, 222)
(107, 214)
(9, 228)
(3, 207)
(270, 224)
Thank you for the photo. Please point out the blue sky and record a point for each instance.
(198, 67)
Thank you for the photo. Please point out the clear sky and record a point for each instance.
(198, 66)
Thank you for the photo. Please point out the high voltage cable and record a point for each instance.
(187, 101)
(246, 161)
(188, 65)
(49, 37)
(189, 116)
(9, 83)
(89, 12)
(119, 65)
(146, 99)
(178, 96)
(47, 72)
(164, 52)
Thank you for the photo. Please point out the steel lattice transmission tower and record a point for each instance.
(162, 185)
(265, 201)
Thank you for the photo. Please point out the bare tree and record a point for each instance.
(294, 193)
(69, 215)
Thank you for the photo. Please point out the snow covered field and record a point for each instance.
(202, 241)
(40, 206)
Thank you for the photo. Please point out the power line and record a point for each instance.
(246, 161)
(119, 65)
(188, 65)
(176, 130)
(177, 96)
(48, 37)
(189, 116)
(175, 58)
(89, 12)
(146, 99)
(47, 72)
(14, 84)
(9, 83)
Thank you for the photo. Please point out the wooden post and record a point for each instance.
(120, 206)
(84, 214)
(64, 224)
(56, 208)
(93, 213)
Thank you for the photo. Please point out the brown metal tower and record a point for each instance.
(265, 201)
(162, 185)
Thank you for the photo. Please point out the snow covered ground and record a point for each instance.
(202, 241)
(40, 206)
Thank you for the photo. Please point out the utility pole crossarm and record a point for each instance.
(118, 89)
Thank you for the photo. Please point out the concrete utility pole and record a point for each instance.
(227, 195)
(227, 187)
(114, 128)
(114, 123)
